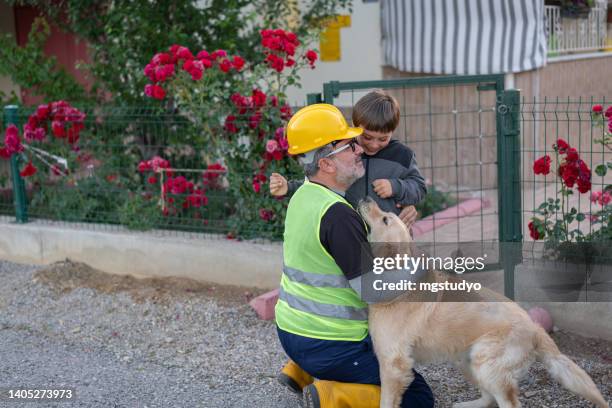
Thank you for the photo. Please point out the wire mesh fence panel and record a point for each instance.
(566, 156)
(136, 168)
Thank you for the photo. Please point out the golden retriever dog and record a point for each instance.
(492, 339)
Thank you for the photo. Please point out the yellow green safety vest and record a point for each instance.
(315, 297)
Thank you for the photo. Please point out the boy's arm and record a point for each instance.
(292, 186)
(410, 188)
(281, 188)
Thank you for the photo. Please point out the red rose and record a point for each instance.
(203, 54)
(184, 53)
(311, 56)
(144, 166)
(542, 165)
(285, 112)
(277, 155)
(161, 58)
(195, 68)
(533, 231)
(259, 98)
(271, 146)
(608, 113)
(28, 170)
(275, 62)
(266, 214)
(237, 62)
(562, 145)
(218, 54)
(254, 120)
(152, 180)
(42, 111)
(197, 199)
(597, 109)
(289, 49)
(225, 65)
(569, 174)
(73, 135)
(12, 142)
(39, 134)
(230, 124)
(4, 153)
(256, 186)
(148, 90)
(583, 185)
(572, 155)
(158, 92)
(291, 37)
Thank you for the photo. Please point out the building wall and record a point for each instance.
(564, 93)
(7, 25)
(570, 87)
(361, 58)
(65, 47)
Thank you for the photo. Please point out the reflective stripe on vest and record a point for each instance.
(315, 279)
(323, 309)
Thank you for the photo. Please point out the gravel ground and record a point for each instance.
(122, 342)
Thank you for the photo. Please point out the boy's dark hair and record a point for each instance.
(377, 111)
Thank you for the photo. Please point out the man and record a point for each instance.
(322, 321)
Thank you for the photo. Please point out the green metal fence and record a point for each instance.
(104, 187)
(475, 142)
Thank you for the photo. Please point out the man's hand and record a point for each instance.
(383, 188)
(408, 215)
(278, 185)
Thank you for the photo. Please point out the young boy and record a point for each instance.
(391, 177)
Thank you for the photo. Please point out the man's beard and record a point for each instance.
(348, 174)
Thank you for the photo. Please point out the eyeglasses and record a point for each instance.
(352, 144)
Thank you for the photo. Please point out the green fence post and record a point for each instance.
(330, 91)
(313, 98)
(509, 187)
(19, 192)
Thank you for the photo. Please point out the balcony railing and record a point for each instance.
(569, 35)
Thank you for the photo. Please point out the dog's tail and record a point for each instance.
(565, 371)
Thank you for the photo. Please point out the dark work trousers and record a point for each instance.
(350, 362)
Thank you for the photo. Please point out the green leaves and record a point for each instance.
(601, 169)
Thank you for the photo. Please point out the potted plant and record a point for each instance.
(576, 8)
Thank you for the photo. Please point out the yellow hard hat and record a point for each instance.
(317, 125)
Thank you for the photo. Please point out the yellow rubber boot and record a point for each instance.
(333, 394)
(294, 378)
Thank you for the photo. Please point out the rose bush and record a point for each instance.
(239, 108)
(66, 124)
(555, 216)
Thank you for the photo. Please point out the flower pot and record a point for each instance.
(550, 281)
(569, 272)
(599, 282)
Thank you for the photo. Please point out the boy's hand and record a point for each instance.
(408, 215)
(278, 185)
(383, 188)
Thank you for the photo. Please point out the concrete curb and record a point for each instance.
(144, 254)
